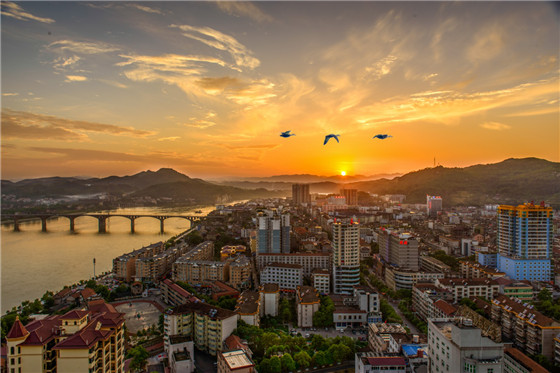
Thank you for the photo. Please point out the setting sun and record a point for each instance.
(343, 173)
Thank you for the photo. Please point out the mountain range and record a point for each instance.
(511, 181)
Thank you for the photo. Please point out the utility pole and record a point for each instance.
(93, 267)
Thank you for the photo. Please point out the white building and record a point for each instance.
(270, 297)
(456, 345)
(369, 363)
(307, 303)
(346, 256)
(287, 276)
(180, 353)
(321, 280)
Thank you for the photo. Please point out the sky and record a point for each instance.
(115, 88)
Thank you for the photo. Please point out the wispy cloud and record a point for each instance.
(199, 123)
(244, 9)
(10, 94)
(15, 11)
(146, 9)
(20, 124)
(82, 47)
(495, 126)
(75, 78)
(218, 40)
(170, 138)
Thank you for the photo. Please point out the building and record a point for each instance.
(321, 280)
(466, 288)
(229, 251)
(248, 307)
(240, 272)
(199, 271)
(202, 251)
(155, 267)
(398, 249)
(398, 279)
(524, 241)
(386, 338)
(516, 289)
(124, 266)
(300, 194)
(308, 261)
(307, 303)
(86, 340)
(235, 361)
(346, 256)
(429, 264)
(207, 325)
(368, 363)
(287, 276)
(273, 232)
(424, 297)
(351, 196)
(455, 344)
(270, 298)
(530, 330)
(477, 270)
(349, 317)
(434, 204)
(366, 298)
(175, 295)
(180, 354)
(516, 361)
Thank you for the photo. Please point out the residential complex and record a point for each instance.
(308, 261)
(524, 241)
(287, 276)
(346, 256)
(273, 232)
(124, 266)
(300, 194)
(248, 307)
(399, 249)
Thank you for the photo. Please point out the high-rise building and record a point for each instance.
(351, 196)
(433, 205)
(524, 241)
(300, 194)
(346, 256)
(399, 249)
(273, 232)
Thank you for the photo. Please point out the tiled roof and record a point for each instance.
(17, 330)
(386, 361)
(523, 311)
(445, 307)
(530, 364)
(42, 331)
(248, 303)
(99, 305)
(270, 288)
(74, 315)
(85, 338)
(466, 281)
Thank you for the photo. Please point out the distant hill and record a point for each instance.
(512, 181)
(308, 178)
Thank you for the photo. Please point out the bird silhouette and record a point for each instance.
(381, 137)
(328, 137)
(287, 134)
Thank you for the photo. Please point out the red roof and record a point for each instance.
(17, 330)
(386, 361)
(42, 331)
(85, 338)
(445, 307)
(99, 305)
(74, 315)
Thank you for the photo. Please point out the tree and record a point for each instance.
(288, 363)
(227, 302)
(275, 365)
(318, 342)
(321, 358)
(139, 357)
(302, 359)
(264, 366)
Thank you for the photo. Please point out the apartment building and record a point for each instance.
(124, 266)
(180, 354)
(273, 232)
(477, 270)
(287, 276)
(466, 288)
(398, 249)
(269, 299)
(398, 279)
(229, 251)
(321, 280)
(235, 361)
(86, 340)
(202, 251)
(240, 272)
(248, 307)
(207, 325)
(379, 364)
(175, 295)
(429, 264)
(516, 361)
(308, 261)
(530, 330)
(424, 297)
(456, 345)
(153, 268)
(199, 271)
(346, 256)
(307, 303)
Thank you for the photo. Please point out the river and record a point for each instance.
(34, 261)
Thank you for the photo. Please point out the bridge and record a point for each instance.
(101, 218)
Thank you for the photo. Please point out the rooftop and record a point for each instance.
(283, 265)
(202, 308)
(522, 359)
(237, 359)
(269, 288)
(248, 303)
(524, 311)
(307, 294)
(384, 361)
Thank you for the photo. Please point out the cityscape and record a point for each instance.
(280, 187)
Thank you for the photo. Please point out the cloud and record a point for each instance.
(382, 67)
(63, 62)
(171, 138)
(199, 123)
(218, 40)
(244, 9)
(82, 47)
(10, 94)
(495, 126)
(20, 124)
(145, 8)
(249, 147)
(113, 83)
(15, 11)
(75, 78)
(218, 85)
(488, 43)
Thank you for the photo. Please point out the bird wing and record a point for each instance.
(336, 138)
(326, 140)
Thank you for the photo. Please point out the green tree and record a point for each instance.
(275, 365)
(318, 342)
(227, 302)
(321, 358)
(264, 366)
(288, 363)
(139, 357)
(302, 359)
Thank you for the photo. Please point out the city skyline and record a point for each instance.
(114, 88)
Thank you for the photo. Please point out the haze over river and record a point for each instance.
(34, 262)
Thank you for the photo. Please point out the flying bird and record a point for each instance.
(328, 137)
(381, 137)
(287, 134)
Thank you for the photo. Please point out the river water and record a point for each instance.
(34, 261)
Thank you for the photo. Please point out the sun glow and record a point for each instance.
(343, 173)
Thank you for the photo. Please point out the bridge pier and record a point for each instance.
(72, 225)
(102, 224)
(43, 224)
(161, 220)
(16, 225)
(132, 224)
